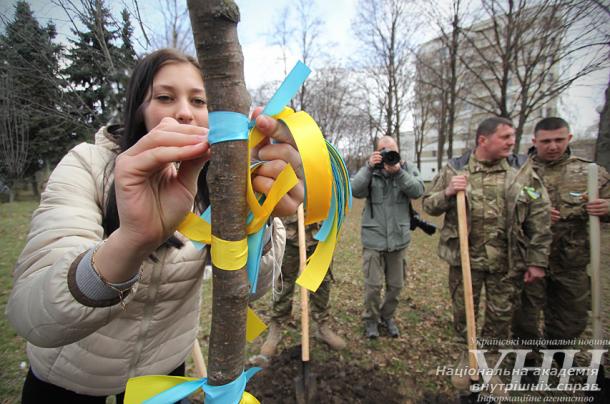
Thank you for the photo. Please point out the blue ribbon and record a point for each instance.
(226, 126)
(287, 90)
(229, 393)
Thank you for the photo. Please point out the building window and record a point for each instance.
(433, 153)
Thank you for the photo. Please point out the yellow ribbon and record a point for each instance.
(254, 325)
(319, 262)
(316, 164)
(142, 388)
(196, 229)
(229, 255)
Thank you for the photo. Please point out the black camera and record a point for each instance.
(389, 157)
(416, 221)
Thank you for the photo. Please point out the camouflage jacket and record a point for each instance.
(386, 217)
(566, 182)
(527, 213)
(292, 231)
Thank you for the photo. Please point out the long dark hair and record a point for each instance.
(134, 128)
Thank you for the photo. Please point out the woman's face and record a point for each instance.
(177, 92)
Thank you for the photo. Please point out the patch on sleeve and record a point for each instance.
(531, 192)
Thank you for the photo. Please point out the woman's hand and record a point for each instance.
(276, 156)
(153, 193)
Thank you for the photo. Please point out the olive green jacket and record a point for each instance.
(566, 182)
(386, 216)
(528, 220)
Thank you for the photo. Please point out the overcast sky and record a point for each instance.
(262, 61)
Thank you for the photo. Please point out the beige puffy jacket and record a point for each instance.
(94, 350)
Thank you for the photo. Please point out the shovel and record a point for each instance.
(594, 237)
(596, 291)
(467, 282)
(305, 383)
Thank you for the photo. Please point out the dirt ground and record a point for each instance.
(335, 381)
(386, 370)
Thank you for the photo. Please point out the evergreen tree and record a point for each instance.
(125, 62)
(29, 61)
(99, 59)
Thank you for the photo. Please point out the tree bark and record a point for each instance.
(602, 147)
(214, 25)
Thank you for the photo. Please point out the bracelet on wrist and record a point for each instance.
(121, 292)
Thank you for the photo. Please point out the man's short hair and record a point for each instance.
(490, 125)
(551, 123)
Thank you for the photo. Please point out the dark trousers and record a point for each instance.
(37, 391)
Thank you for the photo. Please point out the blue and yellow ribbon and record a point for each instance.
(327, 200)
(170, 389)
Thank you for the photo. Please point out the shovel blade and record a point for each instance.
(306, 385)
(306, 389)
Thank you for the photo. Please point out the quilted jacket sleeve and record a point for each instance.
(67, 223)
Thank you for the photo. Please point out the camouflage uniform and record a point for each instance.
(282, 302)
(566, 284)
(509, 208)
(385, 234)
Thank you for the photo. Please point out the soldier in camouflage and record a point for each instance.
(564, 294)
(282, 302)
(508, 227)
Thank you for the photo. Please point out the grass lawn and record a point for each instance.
(424, 314)
(14, 225)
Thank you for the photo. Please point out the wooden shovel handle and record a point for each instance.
(594, 245)
(304, 292)
(200, 368)
(467, 282)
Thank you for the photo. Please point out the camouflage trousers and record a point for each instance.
(563, 295)
(282, 302)
(382, 267)
(501, 297)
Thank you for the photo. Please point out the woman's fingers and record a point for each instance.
(169, 133)
(272, 169)
(189, 171)
(257, 111)
(274, 129)
(285, 152)
(153, 160)
(288, 204)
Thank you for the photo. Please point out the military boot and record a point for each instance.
(274, 337)
(331, 338)
(460, 379)
(371, 329)
(393, 330)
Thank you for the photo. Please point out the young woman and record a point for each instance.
(105, 289)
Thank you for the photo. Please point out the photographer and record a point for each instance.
(388, 186)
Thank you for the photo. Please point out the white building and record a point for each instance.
(433, 56)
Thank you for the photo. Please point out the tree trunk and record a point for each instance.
(214, 25)
(602, 147)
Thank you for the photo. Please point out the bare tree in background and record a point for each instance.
(308, 39)
(329, 102)
(301, 39)
(281, 35)
(385, 30)
(440, 73)
(14, 137)
(423, 99)
(602, 146)
(530, 52)
(177, 32)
